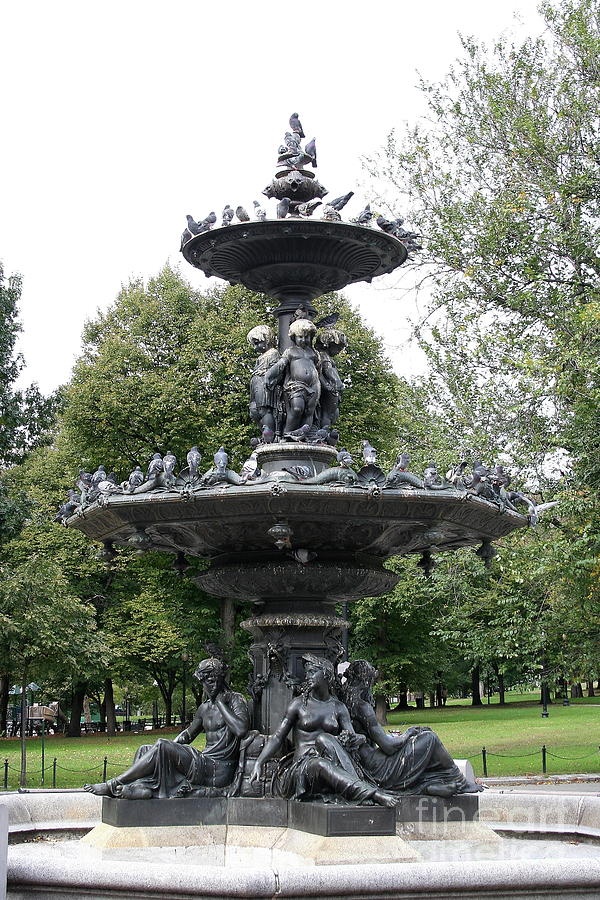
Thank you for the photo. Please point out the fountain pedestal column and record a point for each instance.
(295, 593)
(281, 638)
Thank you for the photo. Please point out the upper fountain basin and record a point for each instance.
(295, 258)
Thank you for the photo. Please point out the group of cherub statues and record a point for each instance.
(329, 746)
(300, 389)
(295, 396)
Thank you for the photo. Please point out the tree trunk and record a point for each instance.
(102, 714)
(402, 698)
(501, 689)
(4, 689)
(228, 624)
(168, 709)
(590, 688)
(475, 694)
(109, 704)
(79, 692)
(381, 709)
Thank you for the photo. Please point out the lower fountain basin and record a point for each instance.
(441, 860)
(324, 518)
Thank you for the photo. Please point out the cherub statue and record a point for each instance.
(299, 368)
(328, 344)
(263, 400)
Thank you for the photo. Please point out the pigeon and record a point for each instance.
(283, 207)
(328, 321)
(68, 508)
(344, 459)
(480, 472)
(259, 211)
(207, 223)
(109, 485)
(155, 467)
(250, 468)
(301, 313)
(84, 482)
(308, 208)
(193, 461)
(431, 477)
(267, 435)
(311, 150)
(340, 202)
(98, 476)
(321, 436)
(169, 462)
(227, 216)
(299, 434)
(298, 471)
(242, 214)
(136, 478)
(292, 142)
(402, 462)
(254, 443)
(364, 217)
(192, 228)
(330, 214)
(390, 226)
(221, 460)
(455, 475)
(333, 437)
(296, 125)
(369, 453)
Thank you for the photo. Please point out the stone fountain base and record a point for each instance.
(452, 861)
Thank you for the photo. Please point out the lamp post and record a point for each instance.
(565, 680)
(184, 659)
(23, 773)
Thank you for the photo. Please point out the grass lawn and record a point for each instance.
(513, 736)
(79, 760)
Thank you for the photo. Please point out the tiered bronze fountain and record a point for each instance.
(299, 530)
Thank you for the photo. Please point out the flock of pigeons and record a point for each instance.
(286, 206)
(291, 154)
(490, 484)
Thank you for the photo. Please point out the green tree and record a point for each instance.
(165, 368)
(503, 181)
(394, 632)
(26, 416)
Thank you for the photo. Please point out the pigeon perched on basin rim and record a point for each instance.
(296, 125)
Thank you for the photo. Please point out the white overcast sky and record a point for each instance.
(121, 117)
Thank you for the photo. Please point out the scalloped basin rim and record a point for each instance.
(323, 518)
(304, 256)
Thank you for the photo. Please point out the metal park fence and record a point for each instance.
(50, 775)
(544, 752)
